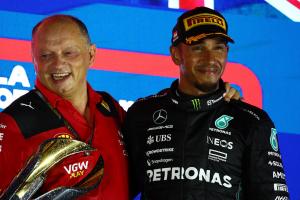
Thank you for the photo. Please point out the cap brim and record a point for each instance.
(196, 39)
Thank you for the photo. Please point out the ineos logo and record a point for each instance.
(160, 116)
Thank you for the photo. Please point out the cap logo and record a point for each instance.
(203, 19)
(175, 36)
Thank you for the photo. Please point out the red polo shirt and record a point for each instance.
(106, 139)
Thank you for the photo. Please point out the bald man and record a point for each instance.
(64, 105)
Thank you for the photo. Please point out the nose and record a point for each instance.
(209, 57)
(59, 62)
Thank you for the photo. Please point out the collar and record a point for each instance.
(197, 103)
(54, 99)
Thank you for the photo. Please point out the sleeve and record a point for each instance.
(264, 177)
(132, 147)
(11, 141)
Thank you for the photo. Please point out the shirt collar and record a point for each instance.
(53, 98)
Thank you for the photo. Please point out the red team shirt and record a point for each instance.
(15, 149)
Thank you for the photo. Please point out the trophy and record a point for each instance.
(28, 181)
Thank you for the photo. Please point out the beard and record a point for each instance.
(207, 87)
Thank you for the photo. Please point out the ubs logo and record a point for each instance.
(160, 116)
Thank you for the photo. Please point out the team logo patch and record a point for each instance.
(160, 116)
(223, 121)
(273, 139)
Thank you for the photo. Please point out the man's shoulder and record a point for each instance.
(23, 104)
(151, 99)
(32, 114)
(248, 111)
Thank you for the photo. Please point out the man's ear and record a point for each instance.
(174, 51)
(34, 61)
(92, 52)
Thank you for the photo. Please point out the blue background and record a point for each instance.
(265, 41)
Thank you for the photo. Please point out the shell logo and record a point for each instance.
(63, 135)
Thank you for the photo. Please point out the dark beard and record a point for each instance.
(207, 88)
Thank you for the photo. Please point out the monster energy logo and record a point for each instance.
(222, 122)
(196, 104)
(273, 139)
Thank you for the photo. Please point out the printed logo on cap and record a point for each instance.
(203, 19)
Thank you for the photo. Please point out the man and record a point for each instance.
(64, 105)
(187, 143)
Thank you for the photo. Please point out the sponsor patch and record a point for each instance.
(274, 163)
(160, 127)
(156, 151)
(162, 160)
(2, 126)
(273, 139)
(76, 169)
(189, 173)
(196, 104)
(217, 155)
(280, 187)
(220, 131)
(281, 198)
(219, 142)
(278, 175)
(223, 121)
(252, 113)
(159, 138)
(213, 101)
(203, 19)
(271, 153)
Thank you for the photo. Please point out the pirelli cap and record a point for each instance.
(197, 24)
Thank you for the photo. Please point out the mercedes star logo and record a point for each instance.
(160, 116)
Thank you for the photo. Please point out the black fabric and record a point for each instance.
(33, 115)
(113, 112)
(223, 152)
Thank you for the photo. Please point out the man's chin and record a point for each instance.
(207, 87)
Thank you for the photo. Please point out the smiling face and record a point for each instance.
(201, 65)
(62, 56)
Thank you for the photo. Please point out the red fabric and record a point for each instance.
(15, 149)
(190, 4)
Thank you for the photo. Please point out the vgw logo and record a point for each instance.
(18, 75)
(76, 169)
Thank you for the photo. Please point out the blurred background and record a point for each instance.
(133, 39)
